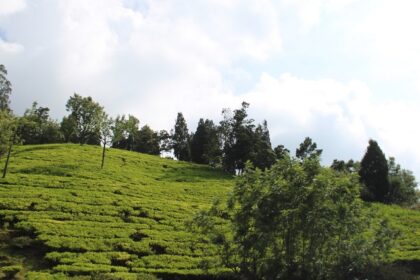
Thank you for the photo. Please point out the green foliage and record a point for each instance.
(402, 185)
(181, 139)
(281, 152)
(342, 166)
(7, 127)
(205, 144)
(84, 119)
(125, 132)
(264, 155)
(36, 127)
(68, 219)
(122, 220)
(242, 141)
(5, 90)
(374, 174)
(148, 141)
(307, 149)
(296, 221)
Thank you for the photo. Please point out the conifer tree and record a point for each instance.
(205, 144)
(181, 139)
(374, 174)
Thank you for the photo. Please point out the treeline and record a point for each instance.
(229, 145)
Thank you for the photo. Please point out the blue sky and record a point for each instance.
(339, 71)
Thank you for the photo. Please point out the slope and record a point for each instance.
(62, 216)
(61, 213)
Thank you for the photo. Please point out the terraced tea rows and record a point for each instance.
(129, 217)
(62, 216)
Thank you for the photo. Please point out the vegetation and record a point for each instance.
(374, 174)
(297, 220)
(5, 89)
(383, 181)
(62, 215)
(181, 139)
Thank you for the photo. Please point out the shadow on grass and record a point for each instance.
(192, 173)
(64, 170)
(30, 148)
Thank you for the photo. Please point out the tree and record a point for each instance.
(85, 115)
(105, 128)
(181, 139)
(36, 127)
(308, 149)
(125, 132)
(6, 130)
(5, 90)
(165, 141)
(374, 174)
(281, 152)
(342, 166)
(296, 220)
(264, 155)
(205, 145)
(402, 185)
(68, 129)
(239, 139)
(7, 120)
(147, 141)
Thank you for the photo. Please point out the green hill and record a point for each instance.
(61, 215)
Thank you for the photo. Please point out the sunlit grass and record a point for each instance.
(62, 215)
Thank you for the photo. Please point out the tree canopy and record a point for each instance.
(297, 220)
(181, 139)
(5, 89)
(374, 174)
(84, 119)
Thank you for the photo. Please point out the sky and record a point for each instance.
(339, 71)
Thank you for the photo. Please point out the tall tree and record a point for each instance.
(36, 126)
(374, 174)
(238, 139)
(68, 129)
(125, 132)
(264, 155)
(297, 220)
(165, 141)
(7, 121)
(402, 184)
(308, 149)
(5, 89)
(7, 128)
(281, 152)
(147, 141)
(342, 166)
(85, 114)
(105, 129)
(181, 139)
(205, 144)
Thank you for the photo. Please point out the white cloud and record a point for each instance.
(10, 48)
(155, 58)
(340, 117)
(8, 7)
(310, 12)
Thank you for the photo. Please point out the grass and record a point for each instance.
(62, 216)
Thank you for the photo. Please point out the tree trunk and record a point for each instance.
(103, 155)
(8, 155)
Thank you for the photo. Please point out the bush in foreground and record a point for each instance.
(297, 220)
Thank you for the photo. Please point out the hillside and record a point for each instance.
(61, 215)
(127, 217)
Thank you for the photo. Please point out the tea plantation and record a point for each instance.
(61, 216)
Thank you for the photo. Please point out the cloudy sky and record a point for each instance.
(339, 71)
